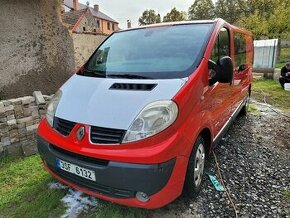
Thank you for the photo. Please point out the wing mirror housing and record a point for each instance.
(221, 72)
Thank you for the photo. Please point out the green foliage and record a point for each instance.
(149, 17)
(230, 10)
(24, 190)
(174, 15)
(201, 10)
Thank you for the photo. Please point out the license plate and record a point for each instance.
(76, 170)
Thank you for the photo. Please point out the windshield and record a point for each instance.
(151, 53)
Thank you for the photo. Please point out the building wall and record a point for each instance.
(105, 29)
(90, 24)
(36, 52)
(85, 45)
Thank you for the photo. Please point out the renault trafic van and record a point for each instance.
(136, 123)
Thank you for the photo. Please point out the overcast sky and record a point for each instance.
(123, 10)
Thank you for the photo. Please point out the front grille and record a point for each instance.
(101, 135)
(64, 127)
(93, 186)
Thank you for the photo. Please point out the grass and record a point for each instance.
(273, 93)
(253, 109)
(25, 193)
(24, 190)
(284, 57)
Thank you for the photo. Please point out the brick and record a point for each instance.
(2, 109)
(11, 122)
(29, 123)
(10, 117)
(24, 120)
(16, 101)
(38, 97)
(15, 150)
(27, 100)
(21, 125)
(14, 140)
(32, 128)
(22, 132)
(9, 108)
(5, 141)
(6, 103)
(29, 149)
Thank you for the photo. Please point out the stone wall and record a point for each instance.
(19, 119)
(36, 50)
(85, 45)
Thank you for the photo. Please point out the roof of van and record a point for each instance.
(187, 22)
(171, 24)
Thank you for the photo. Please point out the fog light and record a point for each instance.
(141, 196)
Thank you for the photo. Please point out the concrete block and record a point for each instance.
(16, 101)
(27, 100)
(9, 108)
(32, 128)
(29, 149)
(11, 122)
(38, 97)
(24, 120)
(5, 141)
(15, 150)
(10, 117)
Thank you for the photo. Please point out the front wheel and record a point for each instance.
(195, 169)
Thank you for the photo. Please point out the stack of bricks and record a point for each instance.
(19, 119)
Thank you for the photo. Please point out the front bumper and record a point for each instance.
(118, 181)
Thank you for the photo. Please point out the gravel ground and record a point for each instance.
(254, 158)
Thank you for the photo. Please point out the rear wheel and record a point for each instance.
(195, 169)
(245, 108)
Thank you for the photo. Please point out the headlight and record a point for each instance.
(51, 109)
(154, 118)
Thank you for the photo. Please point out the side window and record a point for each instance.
(222, 45)
(240, 51)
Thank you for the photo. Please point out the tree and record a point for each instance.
(174, 15)
(149, 17)
(230, 10)
(201, 9)
(257, 24)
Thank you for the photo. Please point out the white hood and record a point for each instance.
(90, 100)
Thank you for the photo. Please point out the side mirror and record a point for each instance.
(224, 70)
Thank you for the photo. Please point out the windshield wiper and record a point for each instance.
(127, 76)
(94, 73)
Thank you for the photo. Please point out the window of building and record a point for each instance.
(108, 25)
(84, 28)
(98, 24)
(113, 27)
(95, 30)
(221, 46)
(240, 51)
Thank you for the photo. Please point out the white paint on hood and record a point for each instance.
(89, 100)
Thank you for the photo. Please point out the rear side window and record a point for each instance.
(222, 46)
(240, 51)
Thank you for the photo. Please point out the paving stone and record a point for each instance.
(9, 108)
(27, 100)
(16, 101)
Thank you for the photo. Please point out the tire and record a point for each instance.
(195, 169)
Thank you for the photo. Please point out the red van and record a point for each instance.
(136, 123)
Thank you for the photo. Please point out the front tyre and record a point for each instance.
(195, 169)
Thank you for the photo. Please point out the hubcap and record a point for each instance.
(199, 165)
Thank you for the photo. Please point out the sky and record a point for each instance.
(123, 10)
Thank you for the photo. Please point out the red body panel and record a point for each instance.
(200, 107)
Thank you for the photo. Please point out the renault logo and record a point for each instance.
(81, 133)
